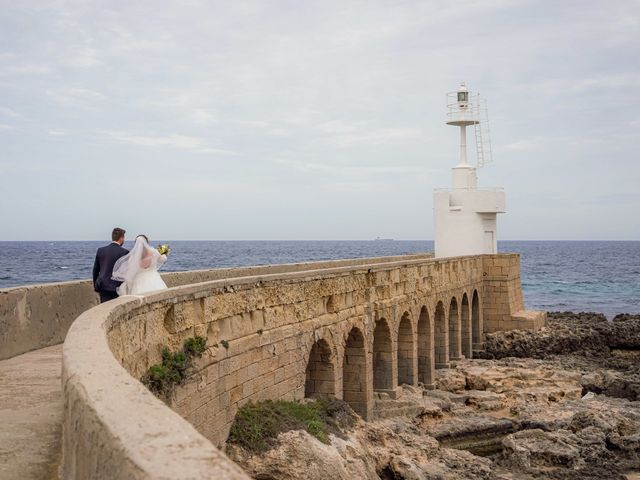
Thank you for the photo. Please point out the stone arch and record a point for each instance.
(354, 372)
(465, 323)
(441, 337)
(382, 356)
(476, 321)
(454, 330)
(406, 351)
(320, 377)
(426, 372)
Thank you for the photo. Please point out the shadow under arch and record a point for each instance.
(465, 324)
(320, 377)
(426, 372)
(441, 337)
(454, 330)
(354, 381)
(405, 351)
(476, 322)
(382, 356)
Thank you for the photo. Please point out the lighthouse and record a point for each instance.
(465, 216)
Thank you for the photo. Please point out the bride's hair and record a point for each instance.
(144, 236)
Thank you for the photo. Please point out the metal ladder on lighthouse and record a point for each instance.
(483, 134)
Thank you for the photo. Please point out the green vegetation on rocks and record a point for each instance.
(257, 425)
(162, 377)
(195, 346)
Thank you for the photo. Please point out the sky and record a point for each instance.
(265, 119)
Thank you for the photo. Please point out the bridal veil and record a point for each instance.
(142, 257)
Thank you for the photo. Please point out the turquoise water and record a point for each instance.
(579, 276)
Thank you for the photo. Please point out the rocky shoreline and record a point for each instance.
(562, 403)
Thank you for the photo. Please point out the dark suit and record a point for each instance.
(103, 269)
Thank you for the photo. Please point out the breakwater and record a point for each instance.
(342, 330)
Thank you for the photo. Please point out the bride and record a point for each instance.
(138, 270)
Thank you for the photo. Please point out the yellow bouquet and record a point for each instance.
(163, 249)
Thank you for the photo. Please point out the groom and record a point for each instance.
(103, 266)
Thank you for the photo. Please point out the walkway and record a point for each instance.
(31, 415)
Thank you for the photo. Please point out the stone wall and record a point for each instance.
(324, 331)
(503, 301)
(38, 316)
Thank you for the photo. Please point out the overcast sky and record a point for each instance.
(312, 119)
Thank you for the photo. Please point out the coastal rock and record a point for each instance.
(387, 450)
(561, 454)
(299, 455)
(537, 448)
(484, 400)
(586, 334)
(605, 354)
(477, 434)
(554, 416)
(450, 380)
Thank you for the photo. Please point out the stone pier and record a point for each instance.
(345, 329)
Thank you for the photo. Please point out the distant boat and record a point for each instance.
(378, 239)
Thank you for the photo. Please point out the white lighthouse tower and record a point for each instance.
(465, 216)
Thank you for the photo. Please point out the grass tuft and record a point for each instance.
(257, 425)
(162, 377)
(195, 346)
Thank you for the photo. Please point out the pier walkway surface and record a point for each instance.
(31, 414)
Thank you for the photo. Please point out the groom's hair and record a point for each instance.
(117, 234)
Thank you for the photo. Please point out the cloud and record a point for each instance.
(572, 86)
(341, 102)
(77, 98)
(123, 40)
(201, 116)
(522, 145)
(8, 112)
(25, 70)
(83, 58)
(373, 136)
(219, 151)
(172, 140)
(341, 170)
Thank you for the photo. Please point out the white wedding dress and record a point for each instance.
(138, 270)
(147, 280)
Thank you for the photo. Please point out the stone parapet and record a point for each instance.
(38, 316)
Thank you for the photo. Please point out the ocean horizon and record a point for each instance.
(557, 275)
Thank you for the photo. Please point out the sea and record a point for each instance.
(589, 276)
